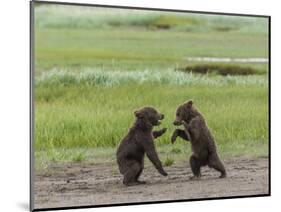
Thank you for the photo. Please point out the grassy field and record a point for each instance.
(68, 36)
(135, 49)
(93, 68)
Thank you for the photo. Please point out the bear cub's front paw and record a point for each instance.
(174, 136)
(164, 173)
(184, 124)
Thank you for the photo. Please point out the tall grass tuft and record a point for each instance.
(92, 77)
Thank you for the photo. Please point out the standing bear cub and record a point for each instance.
(196, 131)
(140, 141)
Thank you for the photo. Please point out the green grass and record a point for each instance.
(94, 67)
(166, 153)
(168, 161)
(133, 49)
(67, 36)
(59, 16)
(94, 116)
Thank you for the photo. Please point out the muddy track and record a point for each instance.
(74, 184)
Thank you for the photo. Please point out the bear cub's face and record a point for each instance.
(150, 115)
(183, 113)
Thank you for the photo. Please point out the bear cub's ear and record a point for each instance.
(138, 113)
(189, 103)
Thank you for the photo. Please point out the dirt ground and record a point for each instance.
(74, 184)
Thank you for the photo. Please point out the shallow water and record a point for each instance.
(227, 59)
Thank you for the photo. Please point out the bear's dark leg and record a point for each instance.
(195, 166)
(153, 157)
(139, 173)
(215, 162)
(133, 171)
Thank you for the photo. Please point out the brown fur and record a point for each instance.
(140, 140)
(196, 131)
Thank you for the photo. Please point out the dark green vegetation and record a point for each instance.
(222, 69)
(94, 67)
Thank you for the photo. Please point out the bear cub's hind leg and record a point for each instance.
(132, 173)
(195, 167)
(215, 162)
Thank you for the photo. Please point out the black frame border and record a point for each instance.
(31, 105)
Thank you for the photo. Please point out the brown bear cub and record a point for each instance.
(140, 141)
(196, 131)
